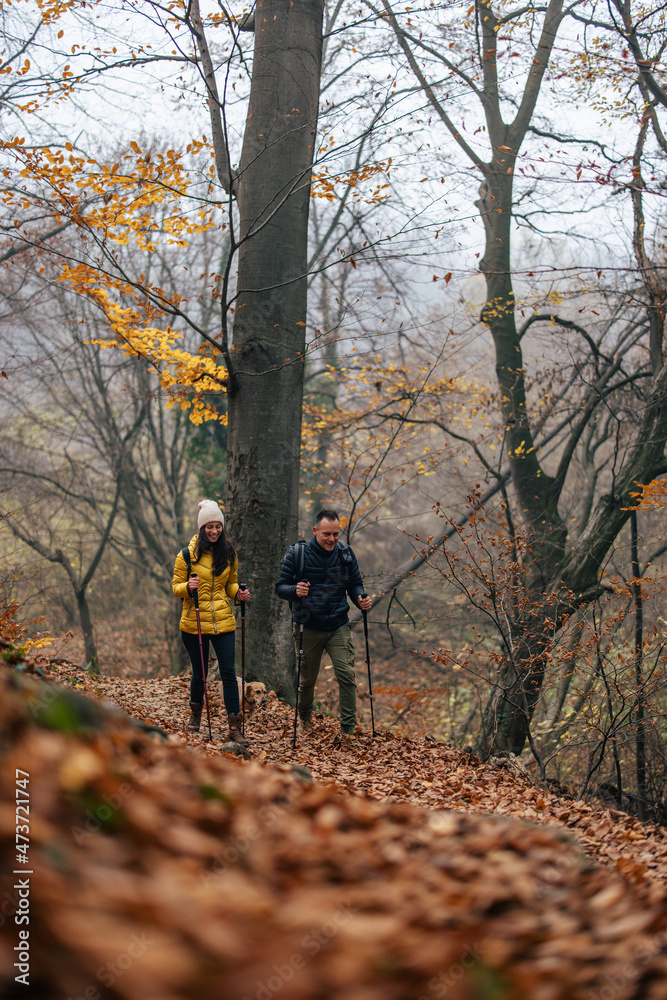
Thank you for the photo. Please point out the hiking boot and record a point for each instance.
(306, 725)
(195, 716)
(342, 741)
(236, 730)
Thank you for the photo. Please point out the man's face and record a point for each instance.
(327, 534)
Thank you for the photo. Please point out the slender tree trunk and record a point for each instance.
(330, 383)
(92, 663)
(640, 733)
(267, 356)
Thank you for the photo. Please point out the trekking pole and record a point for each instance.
(242, 586)
(298, 682)
(368, 664)
(201, 655)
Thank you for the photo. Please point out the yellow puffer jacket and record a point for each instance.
(215, 593)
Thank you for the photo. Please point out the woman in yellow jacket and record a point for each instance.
(214, 569)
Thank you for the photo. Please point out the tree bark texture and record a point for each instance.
(272, 189)
(86, 621)
(640, 711)
(508, 713)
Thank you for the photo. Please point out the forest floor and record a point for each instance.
(387, 867)
(391, 767)
(404, 769)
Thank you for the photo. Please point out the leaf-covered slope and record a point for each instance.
(393, 767)
(164, 872)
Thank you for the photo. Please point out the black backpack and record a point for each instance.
(188, 562)
(300, 559)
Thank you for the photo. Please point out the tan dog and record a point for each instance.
(255, 692)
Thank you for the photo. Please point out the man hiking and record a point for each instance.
(316, 578)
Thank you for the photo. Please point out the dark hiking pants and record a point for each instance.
(223, 644)
(340, 647)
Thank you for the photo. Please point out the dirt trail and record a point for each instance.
(383, 869)
(399, 769)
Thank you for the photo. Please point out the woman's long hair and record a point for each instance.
(223, 551)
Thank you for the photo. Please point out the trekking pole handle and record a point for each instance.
(194, 593)
(242, 586)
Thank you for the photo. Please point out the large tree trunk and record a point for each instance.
(536, 491)
(508, 713)
(267, 356)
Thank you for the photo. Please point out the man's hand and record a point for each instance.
(302, 588)
(365, 602)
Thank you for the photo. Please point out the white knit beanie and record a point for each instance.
(209, 512)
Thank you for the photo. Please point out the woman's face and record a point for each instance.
(213, 530)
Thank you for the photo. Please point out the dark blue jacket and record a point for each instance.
(332, 576)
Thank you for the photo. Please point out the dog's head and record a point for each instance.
(255, 692)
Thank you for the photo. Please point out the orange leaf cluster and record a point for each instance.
(650, 496)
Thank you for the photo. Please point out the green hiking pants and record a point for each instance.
(340, 647)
